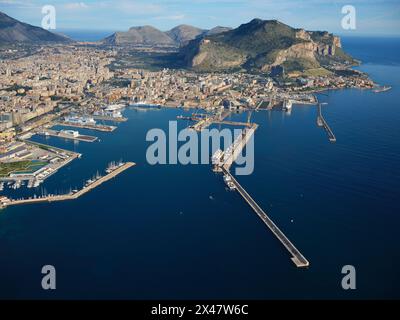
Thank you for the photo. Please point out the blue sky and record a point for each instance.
(374, 17)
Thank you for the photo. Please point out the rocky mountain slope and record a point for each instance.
(263, 44)
(150, 36)
(12, 30)
(217, 30)
(182, 34)
(146, 35)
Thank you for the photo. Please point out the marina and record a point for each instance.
(48, 160)
(74, 194)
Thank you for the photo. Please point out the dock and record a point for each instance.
(96, 127)
(202, 124)
(230, 155)
(203, 121)
(223, 161)
(107, 118)
(322, 123)
(233, 123)
(5, 202)
(66, 135)
(298, 259)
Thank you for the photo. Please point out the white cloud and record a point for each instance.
(174, 17)
(75, 5)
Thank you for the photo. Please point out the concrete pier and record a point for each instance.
(233, 123)
(322, 123)
(97, 127)
(107, 118)
(205, 121)
(238, 145)
(223, 161)
(61, 134)
(298, 259)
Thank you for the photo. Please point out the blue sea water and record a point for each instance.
(174, 231)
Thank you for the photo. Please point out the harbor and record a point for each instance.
(28, 163)
(32, 163)
(112, 171)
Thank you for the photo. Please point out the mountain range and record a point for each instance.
(12, 30)
(150, 36)
(260, 45)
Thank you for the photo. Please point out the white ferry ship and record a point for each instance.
(140, 103)
(287, 105)
(80, 120)
(114, 107)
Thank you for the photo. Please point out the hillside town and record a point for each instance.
(59, 76)
(39, 89)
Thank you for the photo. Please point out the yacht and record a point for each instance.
(37, 183)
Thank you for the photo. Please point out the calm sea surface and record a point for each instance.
(174, 231)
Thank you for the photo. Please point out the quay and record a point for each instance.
(305, 103)
(68, 134)
(108, 118)
(6, 202)
(202, 124)
(230, 155)
(298, 259)
(57, 150)
(204, 121)
(322, 123)
(97, 127)
(233, 123)
(223, 161)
